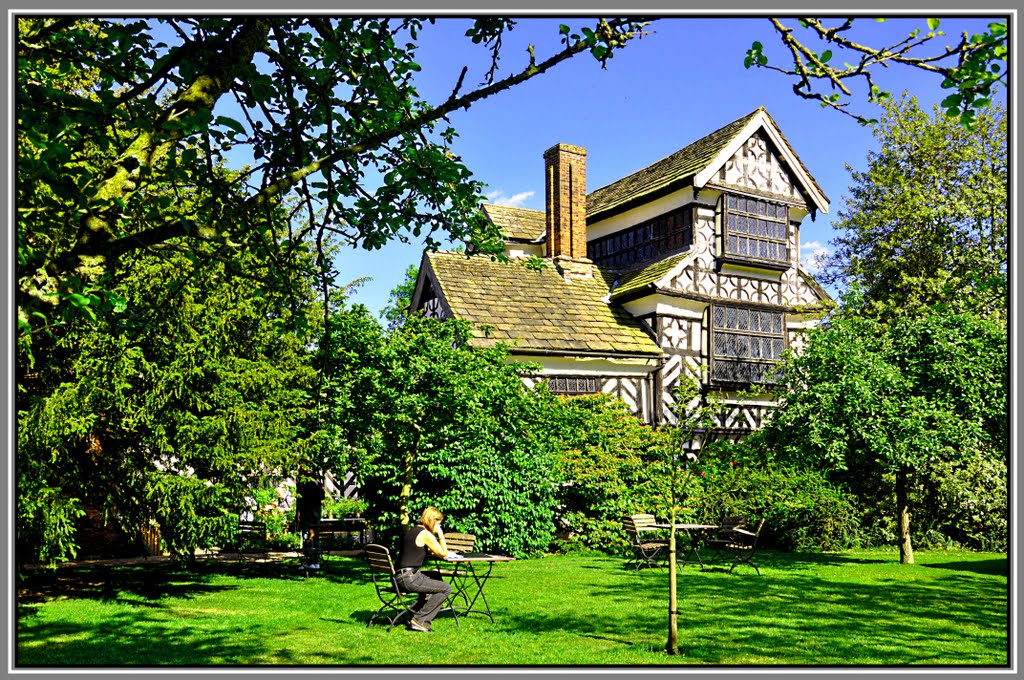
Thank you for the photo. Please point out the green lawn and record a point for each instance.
(859, 608)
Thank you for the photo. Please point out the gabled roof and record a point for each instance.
(644, 277)
(536, 310)
(695, 164)
(826, 299)
(517, 224)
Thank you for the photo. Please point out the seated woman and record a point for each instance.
(432, 589)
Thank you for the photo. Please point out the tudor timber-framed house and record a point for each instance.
(689, 264)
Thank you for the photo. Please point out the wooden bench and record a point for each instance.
(337, 534)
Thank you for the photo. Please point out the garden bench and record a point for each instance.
(336, 534)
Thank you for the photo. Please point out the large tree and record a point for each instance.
(324, 110)
(868, 398)
(172, 409)
(926, 222)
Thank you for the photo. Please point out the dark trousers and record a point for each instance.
(432, 589)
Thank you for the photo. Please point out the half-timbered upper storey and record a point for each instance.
(687, 266)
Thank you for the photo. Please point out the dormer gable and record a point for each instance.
(700, 163)
(759, 157)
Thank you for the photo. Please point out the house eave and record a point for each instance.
(665, 190)
(651, 289)
(585, 354)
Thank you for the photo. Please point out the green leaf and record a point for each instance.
(952, 100)
(231, 123)
(825, 56)
(563, 29)
(118, 303)
(933, 24)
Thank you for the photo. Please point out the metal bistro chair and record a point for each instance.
(646, 551)
(726, 526)
(738, 541)
(393, 599)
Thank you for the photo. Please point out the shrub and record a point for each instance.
(431, 420)
(611, 465)
(801, 508)
(966, 502)
(340, 507)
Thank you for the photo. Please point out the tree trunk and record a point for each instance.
(903, 515)
(672, 647)
(406, 493)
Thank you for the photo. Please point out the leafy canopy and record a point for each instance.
(926, 222)
(830, 56)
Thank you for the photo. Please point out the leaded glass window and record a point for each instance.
(573, 385)
(756, 229)
(746, 344)
(648, 240)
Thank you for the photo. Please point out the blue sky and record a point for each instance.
(662, 92)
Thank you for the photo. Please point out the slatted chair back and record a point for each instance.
(647, 550)
(379, 559)
(643, 521)
(460, 543)
(732, 522)
(393, 600)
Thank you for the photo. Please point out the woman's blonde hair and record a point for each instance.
(431, 516)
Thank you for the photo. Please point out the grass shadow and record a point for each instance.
(145, 582)
(106, 646)
(997, 567)
(725, 616)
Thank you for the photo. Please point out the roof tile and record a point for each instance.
(517, 224)
(682, 164)
(540, 308)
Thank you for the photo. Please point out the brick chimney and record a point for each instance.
(565, 172)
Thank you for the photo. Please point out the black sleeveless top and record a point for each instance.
(412, 555)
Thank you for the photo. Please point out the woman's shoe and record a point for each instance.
(419, 627)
